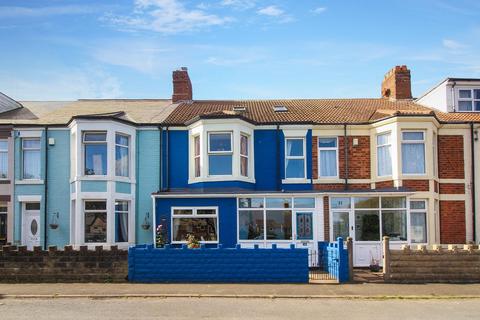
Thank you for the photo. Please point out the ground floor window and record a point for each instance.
(3, 223)
(121, 221)
(201, 222)
(371, 218)
(273, 218)
(95, 221)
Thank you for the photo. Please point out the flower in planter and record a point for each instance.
(192, 242)
(374, 265)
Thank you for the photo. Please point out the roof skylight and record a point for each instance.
(280, 109)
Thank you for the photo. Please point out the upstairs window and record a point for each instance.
(295, 158)
(384, 155)
(244, 155)
(327, 157)
(220, 153)
(413, 152)
(121, 155)
(468, 100)
(95, 152)
(3, 159)
(31, 158)
(196, 155)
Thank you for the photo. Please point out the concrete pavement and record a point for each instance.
(128, 290)
(211, 308)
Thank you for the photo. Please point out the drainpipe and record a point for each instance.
(279, 175)
(167, 160)
(160, 176)
(345, 143)
(474, 210)
(45, 222)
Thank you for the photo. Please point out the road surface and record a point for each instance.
(231, 308)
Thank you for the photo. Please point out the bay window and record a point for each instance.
(384, 155)
(468, 100)
(121, 221)
(244, 141)
(418, 221)
(95, 221)
(295, 158)
(31, 158)
(327, 157)
(3, 159)
(220, 153)
(121, 155)
(413, 152)
(95, 153)
(196, 155)
(201, 222)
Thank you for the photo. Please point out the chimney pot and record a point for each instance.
(397, 83)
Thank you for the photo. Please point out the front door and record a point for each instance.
(31, 225)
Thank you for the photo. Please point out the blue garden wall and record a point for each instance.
(219, 265)
(227, 215)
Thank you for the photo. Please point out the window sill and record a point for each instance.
(328, 180)
(220, 179)
(296, 180)
(33, 181)
(102, 178)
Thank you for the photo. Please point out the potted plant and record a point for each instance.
(192, 242)
(374, 265)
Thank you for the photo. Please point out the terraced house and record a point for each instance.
(249, 172)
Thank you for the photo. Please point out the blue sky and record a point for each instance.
(234, 49)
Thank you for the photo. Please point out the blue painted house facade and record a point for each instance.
(248, 172)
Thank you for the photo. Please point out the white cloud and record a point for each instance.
(65, 84)
(319, 10)
(16, 12)
(453, 45)
(272, 11)
(166, 16)
(239, 4)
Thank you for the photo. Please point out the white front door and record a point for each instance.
(31, 225)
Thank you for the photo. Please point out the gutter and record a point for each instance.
(45, 222)
(474, 209)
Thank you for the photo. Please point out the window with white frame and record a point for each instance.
(244, 146)
(31, 158)
(468, 100)
(295, 167)
(413, 152)
(327, 157)
(95, 221)
(3, 159)
(271, 219)
(220, 153)
(196, 155)
(95, 153)
(121, 221)
(201, 222)
(384, 155)
(121, 155)
(418, 221)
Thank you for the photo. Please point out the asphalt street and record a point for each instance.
(237, 308)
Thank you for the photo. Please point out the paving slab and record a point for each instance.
(125, 290)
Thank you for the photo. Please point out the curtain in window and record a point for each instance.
(418, 227)
(328, 163)
(3, 165)
(122, 227)
(121, 161)
(31, 164)
(384, 161)
(413, 158)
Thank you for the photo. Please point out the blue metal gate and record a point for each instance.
(330, 262)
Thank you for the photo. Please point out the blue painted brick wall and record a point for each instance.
(217, 265)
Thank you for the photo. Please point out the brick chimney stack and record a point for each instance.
(182, 86)
(396, 84)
